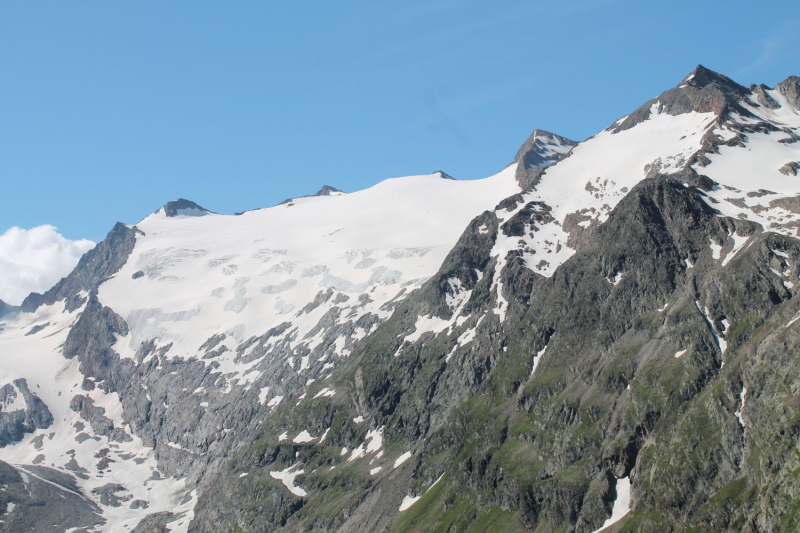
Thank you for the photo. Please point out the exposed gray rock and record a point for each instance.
(42, 497)
(155, 523)
(6, 309)
(326, 190)
(33, 415)
(174, 208)
(790, 88)
(790, 169)
(540, 150)
(763, 98)
(36, 329)
(703, 91)
(109, 494)
(101, 424)
(96, 266)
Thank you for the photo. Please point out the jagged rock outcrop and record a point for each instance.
(21, 411)
(96, 266)
(6, 309)
(37, 497)
(540, 150)
(183, 207)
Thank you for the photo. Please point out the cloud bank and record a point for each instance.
(35, 259)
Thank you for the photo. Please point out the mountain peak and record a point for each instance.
(327, 190)
(702, 77)
(702, 91)
(444, 175)
(790, 88)
(541, 150)
(183, 208)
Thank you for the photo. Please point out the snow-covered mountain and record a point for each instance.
(127, 389)
(220, 319)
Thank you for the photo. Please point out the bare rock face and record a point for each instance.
(6, 309)
(541, 150)
(790, 169)
(35, 498)
(183, 207)
(21, 411)
(790, 88)
(96, 266)
(703, 91)
(327, 190)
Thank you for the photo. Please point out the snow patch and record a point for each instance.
(303, 437)
(402, 459)
(742, 398)
(287, 477)
(622, 504)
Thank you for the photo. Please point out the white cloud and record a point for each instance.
(35, 259)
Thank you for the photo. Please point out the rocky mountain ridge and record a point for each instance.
(608, 343)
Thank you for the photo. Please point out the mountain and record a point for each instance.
(6, 308)
(326, 190)
(602, 334)
(541, 150)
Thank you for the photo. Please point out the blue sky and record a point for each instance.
(110, 109)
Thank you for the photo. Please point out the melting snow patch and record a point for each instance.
(788, 284)
(283, 436)
(738, 413)
(303, 436)
(287, 478)
(722, 343)
(275, 401)
(738, 243)
(402, 459)
(616, 279)
(375, 470)
(715, 250)
(322, 438)
(663, 308)
(622, 504)
(689, 264)
(408, 501)
(325, 392)
(538, 358)
(680, 353)
(376, 440)
(262, 396)
(358, 419)
(779, 254)
(483, 229)
(243, 474)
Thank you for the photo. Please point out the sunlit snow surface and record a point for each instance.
(242, 275)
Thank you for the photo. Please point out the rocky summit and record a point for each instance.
(600, 337)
